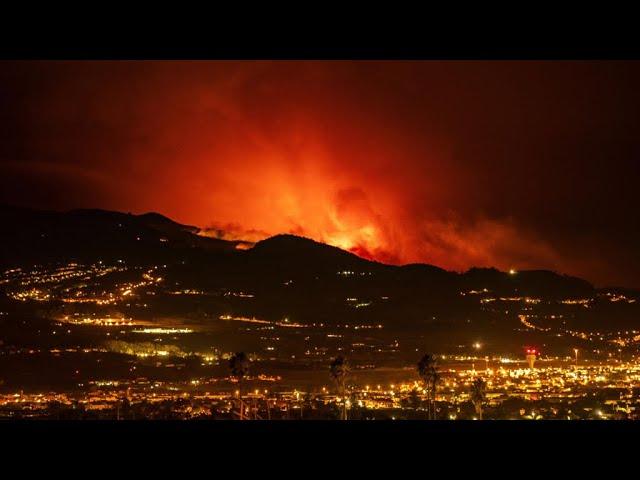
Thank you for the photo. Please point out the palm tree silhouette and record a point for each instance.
(478, 394)
(339, 370)
(428, 371)
(239, 365)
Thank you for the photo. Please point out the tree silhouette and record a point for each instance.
(478, 395)
(428, 371)
(339, 370)
(239, 365)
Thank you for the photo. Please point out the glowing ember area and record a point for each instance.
(456, 164)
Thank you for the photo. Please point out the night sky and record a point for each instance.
(458, 164)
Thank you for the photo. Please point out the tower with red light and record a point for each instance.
(532, 354)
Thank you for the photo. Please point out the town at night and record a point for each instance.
(319, 240)
(119, 340)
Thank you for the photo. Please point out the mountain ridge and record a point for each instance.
(23, 228)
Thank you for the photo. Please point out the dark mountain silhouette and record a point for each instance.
(307, 281)
(298, 254)
(32, 236)
(532, 283)
(290, 275)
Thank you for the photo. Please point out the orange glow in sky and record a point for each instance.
(456, 164)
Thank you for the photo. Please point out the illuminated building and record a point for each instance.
(531, 357)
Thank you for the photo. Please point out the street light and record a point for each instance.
(575, 350)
